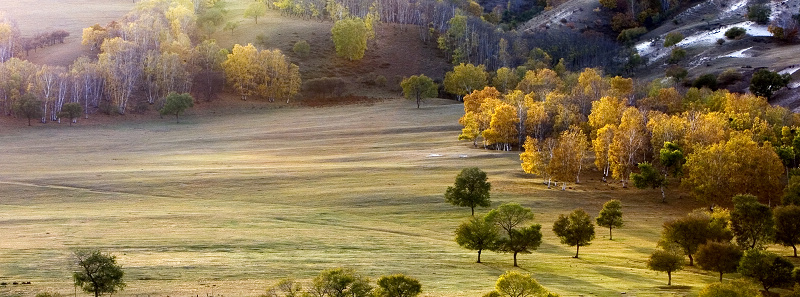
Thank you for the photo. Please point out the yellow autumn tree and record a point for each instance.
(350, 38)
(626, 148)
(475, 121)
(568, 156)
(606, 111)
(539, 82)
(241, 69)
(276, 77)
(471, 129)
(536, 118)
(665, 128)
(536, 156)
(704, 129)
(621, 87)
(602, 145)
(502, 130)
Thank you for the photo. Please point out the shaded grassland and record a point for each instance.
(228, 203)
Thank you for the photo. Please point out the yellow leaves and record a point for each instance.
(465, 78)
(602, 145)
(473, 101)
(350, 38)
(705, 129)
(530, 157)
(540, 82)
(502, 128)
(621, 87)
(471, 129)
(606, 111)
(241, 69)
(267, 72)
(568, 155)
(591, 83)
(666, 128)
(627, 144)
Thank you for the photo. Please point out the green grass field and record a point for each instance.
(228, 203)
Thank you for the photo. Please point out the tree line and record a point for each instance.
(155, 50)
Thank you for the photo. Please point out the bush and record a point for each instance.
(302, 48)
(735, 33)
(49, 294)
(326, 86)
(629, 35)
(380, 81)
(764, 82)
(728, 77)
(706, 81)
(677, 55)
(721, 41)
(678, 72)
(759, 13)
(672, 38)
(621, 21)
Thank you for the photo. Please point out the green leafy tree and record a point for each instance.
(350, 38)
(71, 111)
(340, 282)
(575, 230)
(285, 288)
(176, 104)
(516, 240)
(751, 222)
(477, 234)
(722, 257)
(398, 285)
(649, 177)
(671, 157)
(691, 231)
(471, 189)
(418, 87)
(515, 284)
(465, 78)
(767, 268)
(759, 13)
(791, 194)
(610, 216)
(302, 48)
(765, 83)
(787, 226)
(672, 38)
(255, 10)
(734, 288)
(28, 106)
(667, 260)
(98, 273)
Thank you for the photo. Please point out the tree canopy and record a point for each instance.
(751, 222)
(477, 234)
(667, 260)
(471, 189)
(98, 273)
(398, 285)
(515, 240)
(418, 87)
(722, 257)
(176, 103)
(767, 268)
(350, 38)
(787, 226)
(576, 229)
(610, 216)
(340, 282)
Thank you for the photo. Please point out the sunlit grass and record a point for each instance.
(233, 203)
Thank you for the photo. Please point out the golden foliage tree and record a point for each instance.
(502, 130)
(568, 156)
(629, 141)
(241, 69)
(465, 78)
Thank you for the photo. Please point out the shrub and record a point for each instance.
(721, 41)
(380, 81)
(302, 48)
(707, 81)
(621, 21)
(728, 77)
(672, 38)
(678, 72)
(759, 13)
(677, 55)
(629, 35)
(326, 86)
(764, 82)
(735, 33)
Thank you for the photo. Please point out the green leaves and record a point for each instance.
(471, 189)
(576, 229)
(98, 273)
(176, 104)
(350, 38)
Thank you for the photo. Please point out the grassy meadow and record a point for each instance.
(229, 202)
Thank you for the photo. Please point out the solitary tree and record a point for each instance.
(787, 226)
(340, 282)
(350, 38)
(471, 189)
(71, 111)
(465, 78)
(751, 222)
(668, 260)
(98, 273)
(398, 285)
(176, 104)
(575, 230)
(610, 216)
(477, 234)
(767, 268)
(255, 10)
(718, 256)
(27, 106)
(418, 87)
(508, 216)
